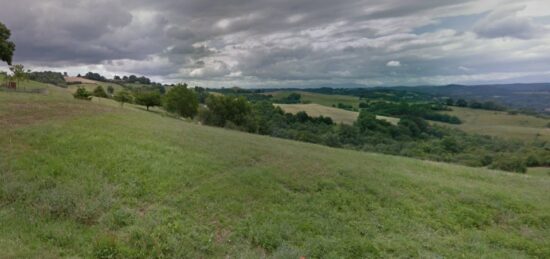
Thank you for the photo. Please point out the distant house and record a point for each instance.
(10, 85)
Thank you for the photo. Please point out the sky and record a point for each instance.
(287, 43)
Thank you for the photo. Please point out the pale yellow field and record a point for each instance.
(338, 115)
(501, 124)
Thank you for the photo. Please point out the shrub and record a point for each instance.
(82, 94)
(100, 92)
(511, 164)
(123, 97)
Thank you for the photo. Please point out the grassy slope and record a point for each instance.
(501, 124)
(83, 178)
(322, 99)
(338, 115)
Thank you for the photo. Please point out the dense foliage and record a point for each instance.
(7, 47)
(148, 99)
(182, 101)
(82, 94)
(95, 77)
(99, 91)
(48, 77)
(123, 97)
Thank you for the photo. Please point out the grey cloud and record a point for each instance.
(506, 23)
(254, 41)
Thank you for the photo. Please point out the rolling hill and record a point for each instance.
(91, 179)
(501, 124)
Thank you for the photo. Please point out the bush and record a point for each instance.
(82, 94)
(100, 92)
(123, 97)
(510, 164)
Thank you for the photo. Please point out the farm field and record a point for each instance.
(322, 99)
(92, 179)
(338, 115)
(501, 124)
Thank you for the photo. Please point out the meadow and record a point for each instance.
(337, 115)
(93, 179)
(501, 124)
(322, 99)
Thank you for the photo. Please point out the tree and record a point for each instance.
(19, 73)
(182, 101)
(6, 47)
(224, 109)
(100, 92)
(82, 94)
(123, 97)
(461, 103)
(148, 99)
(110, 89)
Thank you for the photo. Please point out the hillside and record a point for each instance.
(501, 124)
(90, 179)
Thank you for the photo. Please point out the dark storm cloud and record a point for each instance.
(267, 42)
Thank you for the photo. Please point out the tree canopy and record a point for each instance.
(182, 100)
(6, 47)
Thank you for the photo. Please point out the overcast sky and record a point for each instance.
(283, 43)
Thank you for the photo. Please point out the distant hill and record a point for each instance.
(534, 97)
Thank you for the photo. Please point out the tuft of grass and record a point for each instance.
(132, 184)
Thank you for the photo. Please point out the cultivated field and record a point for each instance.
(501, 124)
(91, 179)
(337, 115)
(323, 99)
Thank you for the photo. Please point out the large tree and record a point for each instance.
(148, 99)
(182, 100)
(6, 47)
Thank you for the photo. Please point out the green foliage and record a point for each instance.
(512, 164)
(461, 103)
(123, 97)
(182, 101)
(148, 99)
(18, 73)
(48, 77)
(95, 77)
(7, 47)
(100, 92)
(223, 110)
(82, 94)
(290, 99)
(110, 89)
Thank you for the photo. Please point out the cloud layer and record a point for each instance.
(264, 43)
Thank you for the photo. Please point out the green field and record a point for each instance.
(338, 115)
(501, 124)
(91, 179)
(322, 99)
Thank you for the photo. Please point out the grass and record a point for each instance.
(322, 99)
(89, 179)
(501, 124)
(338, 115)
(539, 171)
